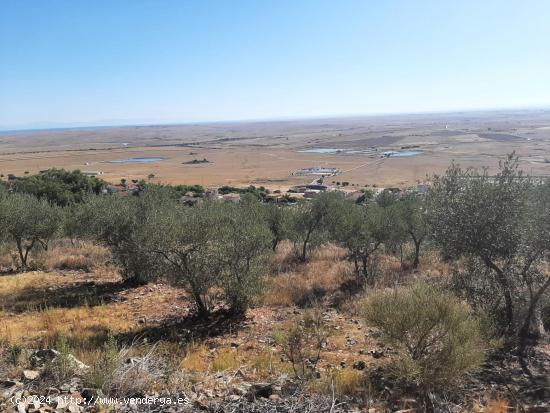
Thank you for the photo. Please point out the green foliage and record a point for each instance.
(412, 216)
(59, 186)
(472, 212)
(63, 365)
(183, 237)
(437, 337)
(277, 220)
(28, 222)
(122, 224)
(244, 241)
(103, 370)
(198, 190)
(386, 198)
(196, 161)
(259, 192)
(309, 222)
(368, 195)
(500, 222)
(213, 244)
(362, 230)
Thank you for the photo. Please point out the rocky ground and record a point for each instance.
(229, 364)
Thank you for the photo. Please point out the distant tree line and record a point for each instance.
(58, 186)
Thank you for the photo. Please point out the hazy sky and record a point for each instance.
(161, 60)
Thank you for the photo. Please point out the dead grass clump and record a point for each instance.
(116, 373)
(85, 256)
(263, 364)
(344, 382)
(329, 253)
(285, 259)
(309, 282)
(389, 270)
(196, 358)
(491, 405)
(8, 257)
(433, 265)
(226, 359)
(64, 365)
(348, 382)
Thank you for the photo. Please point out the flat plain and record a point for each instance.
(269, 152)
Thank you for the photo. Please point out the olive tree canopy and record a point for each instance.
(500, 222)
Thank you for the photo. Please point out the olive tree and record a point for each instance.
(27, 222)
(244, 245)
(413, 219)
(362, 230)
(277, 220)
(121, 224)
(185, 238)
(213, 245)
(309, 221)
(499, 223)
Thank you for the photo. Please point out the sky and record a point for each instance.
(154, 61)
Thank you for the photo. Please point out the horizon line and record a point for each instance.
(120, 123)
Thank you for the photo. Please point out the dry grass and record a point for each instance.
(432, 264)
(348, 382)
(305, 283)
(196, 359)
(84, 327)
(492, 405)
(327, 269)
(265, 363)
(34, 316)
(344, 382)
(13, 284)
(61, 255)
(39, 291)
(200, 359)
(8, 257)
(39, 308)
(85, 256)
(225, 359)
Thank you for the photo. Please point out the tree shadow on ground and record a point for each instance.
(80, 294)
(502, 371)
(187, 329)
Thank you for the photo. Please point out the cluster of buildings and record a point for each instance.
(317, 170)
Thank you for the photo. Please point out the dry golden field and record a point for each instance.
(266, 153)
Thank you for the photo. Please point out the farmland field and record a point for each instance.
(267, 153)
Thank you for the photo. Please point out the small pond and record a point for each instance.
(137, 160)
(406, 153)
(370, 152)
(321, 150)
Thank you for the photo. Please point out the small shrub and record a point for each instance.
(302, 342)
(63, 365)
(102, 371)
(436, 335)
